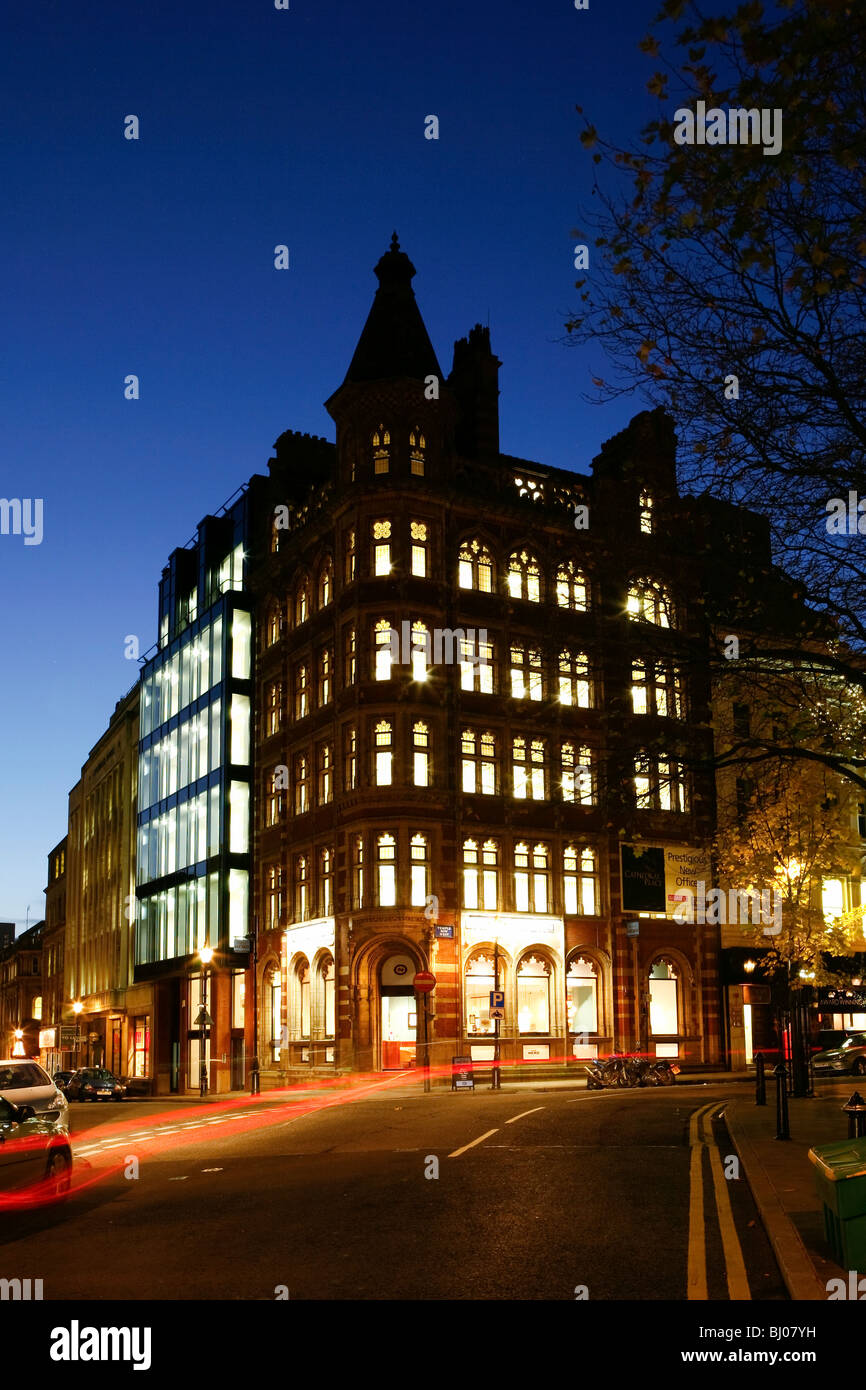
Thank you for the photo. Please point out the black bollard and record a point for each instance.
(782, 1127)
(760, 1080)
(856, 1112)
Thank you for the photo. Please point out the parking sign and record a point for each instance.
(497, 1003)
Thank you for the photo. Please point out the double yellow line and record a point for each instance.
(700, 1138)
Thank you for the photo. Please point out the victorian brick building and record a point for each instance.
(476, 749)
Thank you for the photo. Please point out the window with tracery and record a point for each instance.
(475, 567)
(524, 577)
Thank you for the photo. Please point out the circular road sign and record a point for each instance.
(424, 981)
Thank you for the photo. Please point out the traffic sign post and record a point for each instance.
(497, 1003)
(423, 983)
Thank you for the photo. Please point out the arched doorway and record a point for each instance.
(665, 1007)
(398, 1019)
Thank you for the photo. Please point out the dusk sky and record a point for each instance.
(156, 257)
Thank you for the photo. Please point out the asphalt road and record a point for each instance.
(531, 1194)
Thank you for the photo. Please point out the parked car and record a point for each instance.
(26, 1083)
(849, 1056)
(60, 1079)
(35, 1154)
(95, 1083)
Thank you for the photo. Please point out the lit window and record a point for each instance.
(476, 666)
(274, 626)
(328, 995)
(381, 548)
(646, 513)
(524, 577)
(386, 853)
(657, 688)
(531, 878)
(350, 759)
(326, 883)
(420, 651)
(526, 674)
(273, 707)
(581, 989)
(528, 766)
(349, 656)
(580, 882)
(274, 799)
(650, 602)
(381, 450)
(302, 602)
(417, 447)
(302, 691)
(574, 685)
(481, 875)
(326, 583)
(302, 784)
(533, 995)
(302, 887)
(326, 667)
(303, 1013)
(659, 784)
(273, 895)
(384, 650)
(475, 567)
(358, 871)
(479, 981)
(384, 754)
(578, 774)
(419, 870)
(479, 763)
(349, 557)
(571, 587)
(325, 773)
(418, 530)
(421, 755)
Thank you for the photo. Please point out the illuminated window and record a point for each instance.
(302, 690)
(326, 583)
(524, 577)
(302, 784)
(533, 995)
(349, 557)
(420, 651)
(479, 763)
(476, 666)
(302, 887)
(571, 587)
(273, 707)
(350, 759)
(417, 447)
(531, 878)
(581, 991)
(418, 531)
(526, 673)
(650, 602)
(302, 602)
(328, 1012)
(475, 567)
(384, 753)
(479, 981)
(275, 799)
(349, 654)
(274, 626)
(420, 755)
(381, 450)
(383, 650)
(578, 774)
(646, 513)
(273, 895)
(325, 773)
(481, 875)
(528, 766)
(381, 548)
(832, 899)
(303, 1013)
(657, 688)
(326, 674)
(574, 683)
(580, 881)
(326, 882)
(358, 871)
(419, 869)
(386, 854)
(659, 784)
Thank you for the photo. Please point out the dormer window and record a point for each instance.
(381, 450)
(647, 504)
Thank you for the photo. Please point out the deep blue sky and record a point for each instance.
(155, 257)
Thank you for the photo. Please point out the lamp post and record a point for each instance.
(77, 1009)
(255, 1070)
(205, 956)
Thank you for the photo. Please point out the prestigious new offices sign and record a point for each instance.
(656, 877)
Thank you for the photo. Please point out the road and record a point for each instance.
(517, 1194)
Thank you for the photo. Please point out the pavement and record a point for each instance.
(782, 1181)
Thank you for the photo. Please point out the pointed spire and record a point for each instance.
(394, 342)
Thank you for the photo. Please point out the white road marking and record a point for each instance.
(479, 1140)
(525, 1112)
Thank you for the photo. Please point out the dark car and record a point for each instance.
(95, 1083)
(848, 1056)
(60, 1079)
(35, 1156)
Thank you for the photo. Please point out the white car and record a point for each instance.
(25, 1083)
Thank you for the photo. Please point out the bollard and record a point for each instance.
(856, 1112)
(782, 1127)
(760, 1080)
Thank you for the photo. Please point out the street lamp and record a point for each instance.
(205, 956)
(77, 1009)
(18, 1047)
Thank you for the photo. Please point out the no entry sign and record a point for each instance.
(424, 981)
